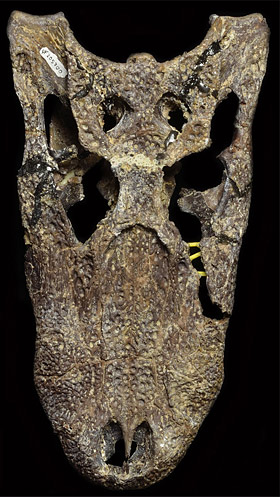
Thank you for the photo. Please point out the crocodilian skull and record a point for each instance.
(124, 350)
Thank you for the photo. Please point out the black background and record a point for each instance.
(236, 449)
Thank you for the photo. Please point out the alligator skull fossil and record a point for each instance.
(124, 350)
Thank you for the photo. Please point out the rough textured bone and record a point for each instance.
(123, 348)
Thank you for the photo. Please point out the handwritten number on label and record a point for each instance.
(53, 62)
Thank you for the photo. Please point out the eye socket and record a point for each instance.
(113, 109)
(173, 110)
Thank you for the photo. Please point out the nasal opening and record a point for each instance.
(115, 444)
(118, 457)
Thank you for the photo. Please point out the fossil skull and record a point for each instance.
(124, 350)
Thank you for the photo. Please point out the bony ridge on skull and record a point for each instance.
(124, 350)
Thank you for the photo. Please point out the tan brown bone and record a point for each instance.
(123, 348)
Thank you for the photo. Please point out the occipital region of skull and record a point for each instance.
(128, 362)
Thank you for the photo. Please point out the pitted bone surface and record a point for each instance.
(124, 350)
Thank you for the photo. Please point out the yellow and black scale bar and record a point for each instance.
(196, 255)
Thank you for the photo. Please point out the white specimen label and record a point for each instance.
(53, 62)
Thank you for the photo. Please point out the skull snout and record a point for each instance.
(127, 453)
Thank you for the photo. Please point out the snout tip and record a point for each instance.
(120, 459)
(127, 454)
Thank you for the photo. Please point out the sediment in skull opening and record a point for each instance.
(174, 109)
(60, 126)
(111, 111)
